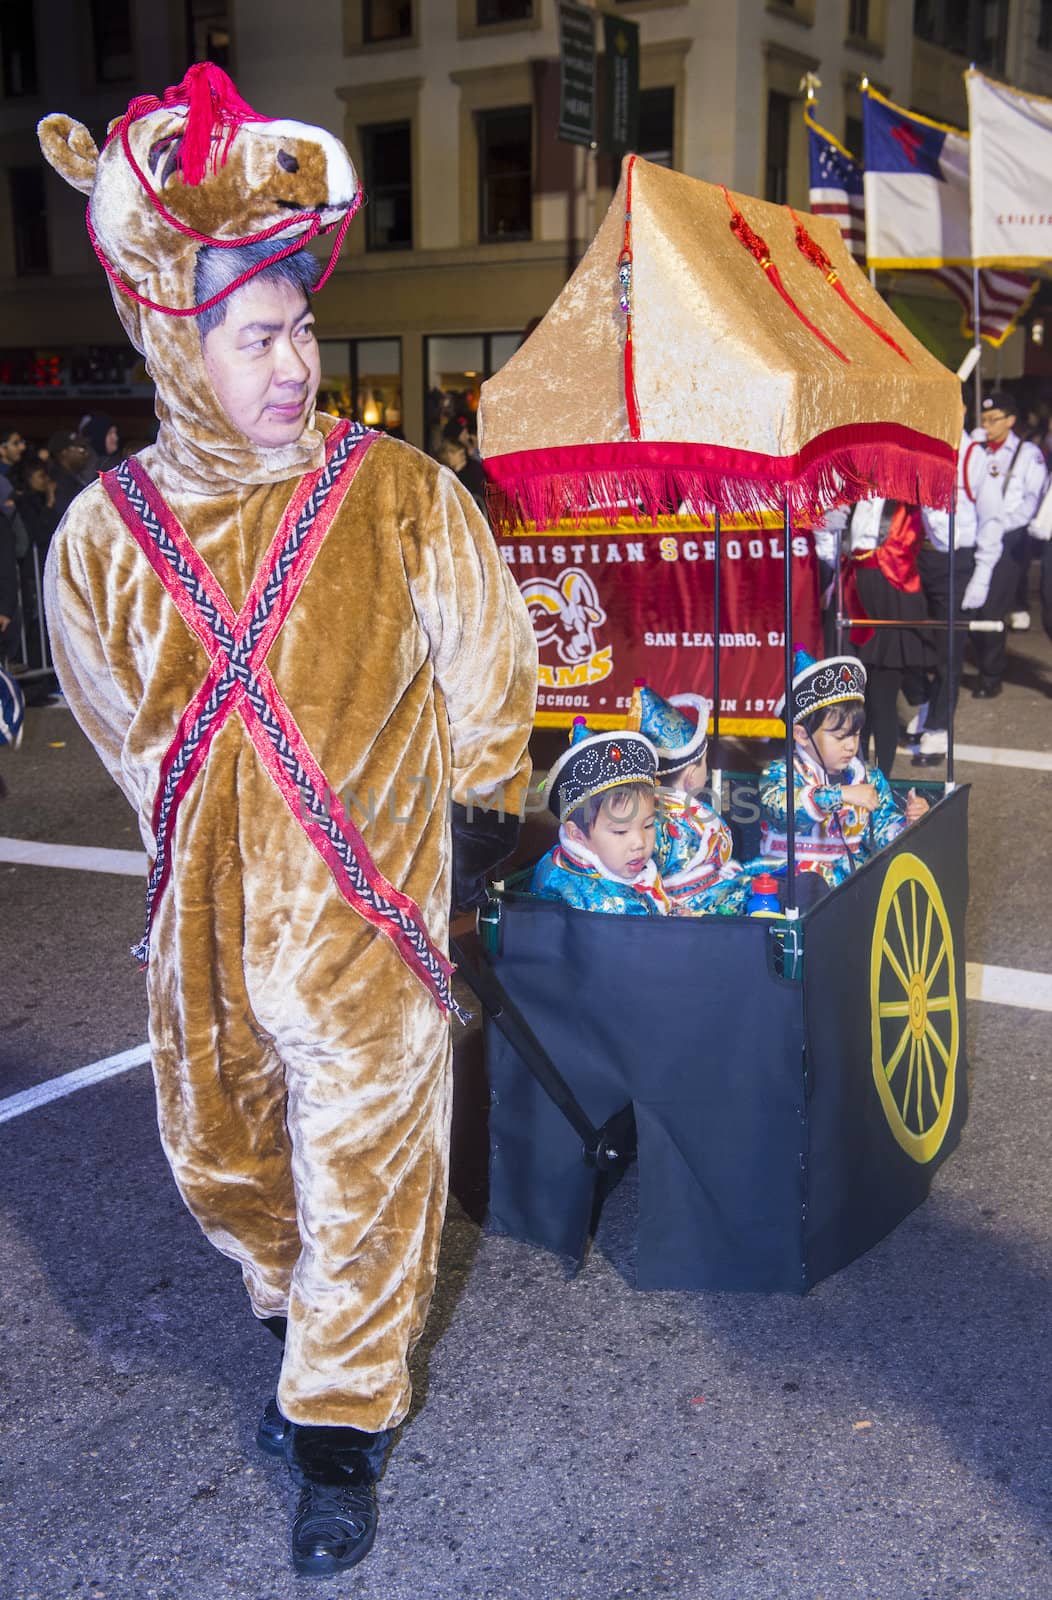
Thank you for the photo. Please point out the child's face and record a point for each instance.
(835, 746)
(623, 835)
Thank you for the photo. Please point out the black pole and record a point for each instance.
(951, 636)
(717, 534)
(790, 775)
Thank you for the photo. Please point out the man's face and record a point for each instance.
(73, 458)
(624, 833)
(263, 362)
(12, 450)
(997, 425)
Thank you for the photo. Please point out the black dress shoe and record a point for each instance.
(274, 1429)
(335, 1470)
(987, 691)
(334, 1527)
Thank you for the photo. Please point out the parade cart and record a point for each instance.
(788, 1085)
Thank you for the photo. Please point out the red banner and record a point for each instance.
(610, 605)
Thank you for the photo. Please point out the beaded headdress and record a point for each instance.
(596, 762)
(818, 684)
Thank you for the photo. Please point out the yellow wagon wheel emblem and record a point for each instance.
(913, 1007)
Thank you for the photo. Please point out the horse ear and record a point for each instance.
(70, 149)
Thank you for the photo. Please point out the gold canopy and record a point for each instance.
(764, 364)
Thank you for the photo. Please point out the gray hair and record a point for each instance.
(216, 269)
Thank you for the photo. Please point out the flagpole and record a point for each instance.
(977, 346)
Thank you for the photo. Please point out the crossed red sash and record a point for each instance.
(238, 681)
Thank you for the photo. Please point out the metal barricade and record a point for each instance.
(30, 651)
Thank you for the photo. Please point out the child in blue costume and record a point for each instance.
(602, 789)
(844, 811)
(693, 843)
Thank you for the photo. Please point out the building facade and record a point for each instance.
(476, 211)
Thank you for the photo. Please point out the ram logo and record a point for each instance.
(566, 614)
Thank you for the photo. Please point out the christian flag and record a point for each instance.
(1011, 160)
(916, 188)
(836, 186)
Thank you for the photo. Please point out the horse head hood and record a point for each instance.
(200, 167)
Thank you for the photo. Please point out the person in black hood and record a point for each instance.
(103, 434)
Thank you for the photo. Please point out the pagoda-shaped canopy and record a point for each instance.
(755, 363)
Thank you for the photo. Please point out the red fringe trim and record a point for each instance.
(614, 482)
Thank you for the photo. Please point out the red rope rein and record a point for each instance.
(225, 108)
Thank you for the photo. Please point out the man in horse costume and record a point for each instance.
(292, 642)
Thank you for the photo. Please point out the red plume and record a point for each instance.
(215, 109)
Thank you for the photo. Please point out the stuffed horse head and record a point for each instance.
(193, 169)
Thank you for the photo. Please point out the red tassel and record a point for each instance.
(215, 109)
(868, 320)
(757, 247)
(776, 278)
(635, 423)
(816, 255)
(631, 398)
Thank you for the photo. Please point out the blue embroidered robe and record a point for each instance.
(564, 875)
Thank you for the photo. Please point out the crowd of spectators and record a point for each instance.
(37, 483)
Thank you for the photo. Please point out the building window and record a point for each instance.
(776, 179)
(208, 26)
(388, 162)
(456, 366)
(657, 126)
(487, 11)
(111, 40)
(29, 219)
(362, 379)
(977, 29)
(18, 49)
(858, 19)
(853, 136)
(386, 19)
(505, 174)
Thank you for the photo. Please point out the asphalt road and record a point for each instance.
(888, 1437)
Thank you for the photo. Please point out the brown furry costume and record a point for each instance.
(302, 1070)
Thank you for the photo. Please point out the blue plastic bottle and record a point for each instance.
(763, 901)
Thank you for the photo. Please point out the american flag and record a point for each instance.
(836, 187)
(1003, 297)
(837, 192)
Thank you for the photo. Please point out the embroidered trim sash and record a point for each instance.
(238, 681)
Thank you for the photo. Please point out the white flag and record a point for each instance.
(1011, 160)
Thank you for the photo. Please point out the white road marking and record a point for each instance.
(992, 756)
(1008, 986)
(81, 1078)
(82, 858)
(1003, 986)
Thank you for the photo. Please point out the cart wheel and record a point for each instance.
(913, 1007)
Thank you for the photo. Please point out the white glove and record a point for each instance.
(978, 589)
